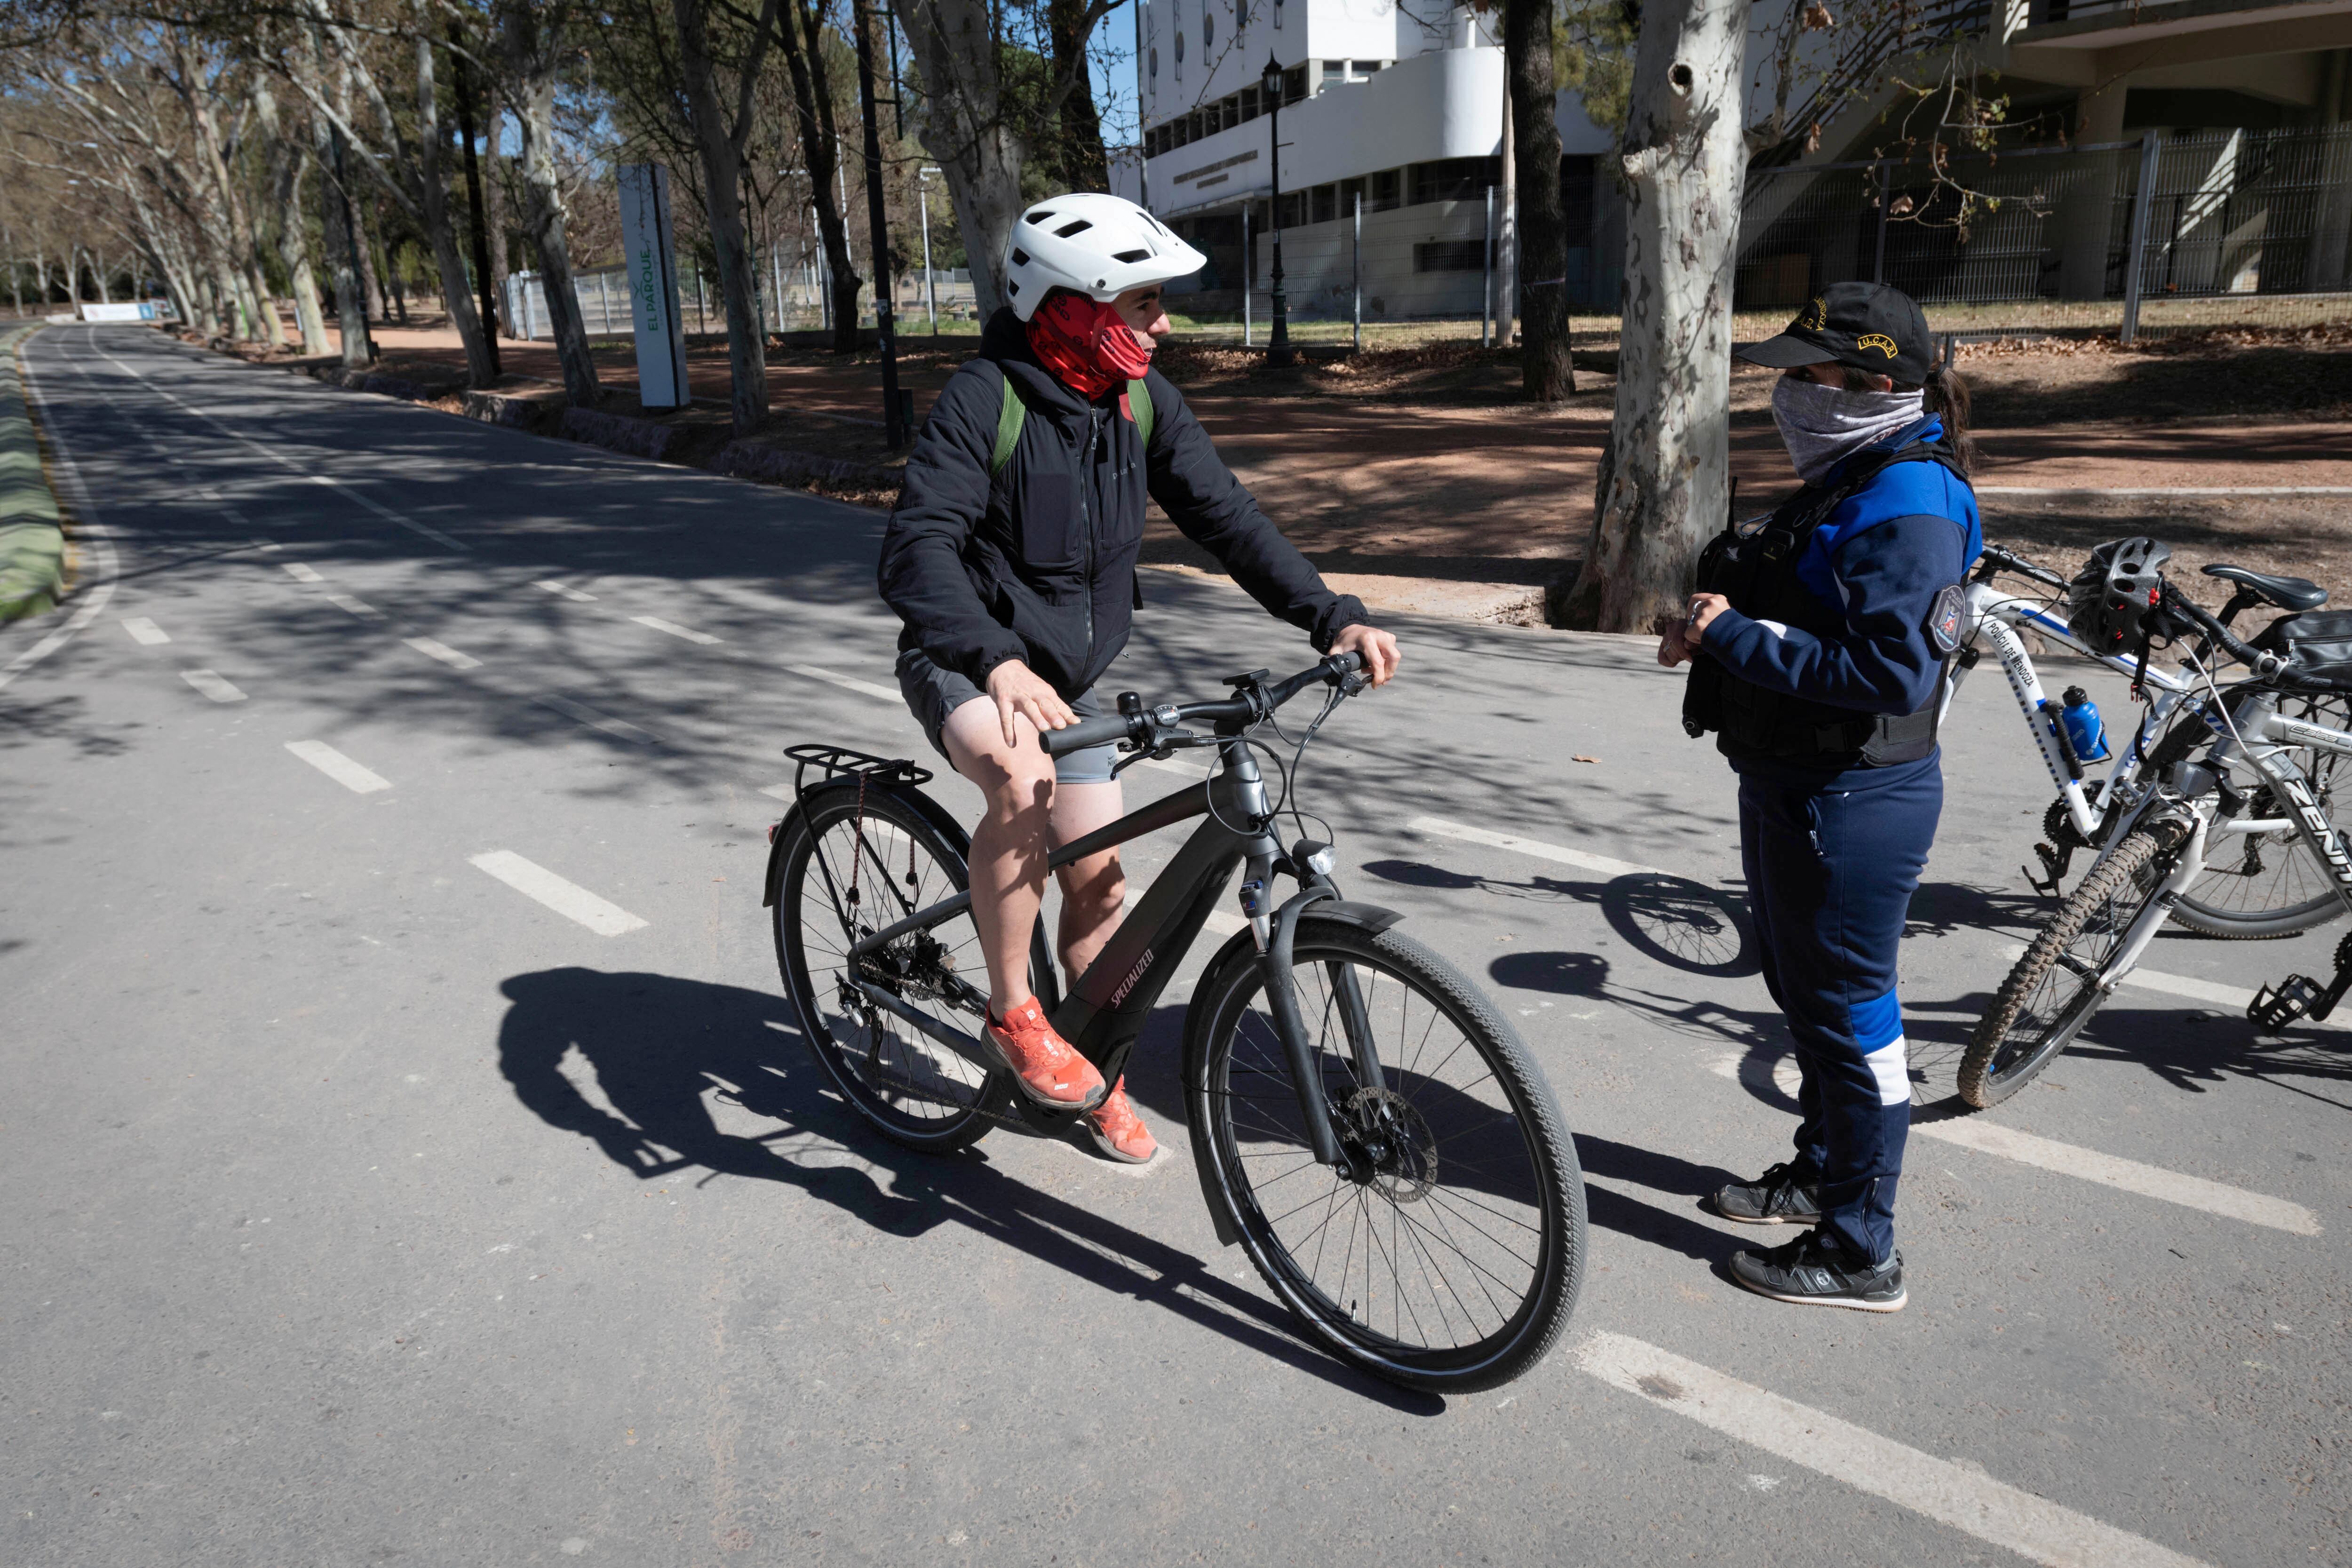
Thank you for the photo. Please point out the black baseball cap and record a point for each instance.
(1866, 325)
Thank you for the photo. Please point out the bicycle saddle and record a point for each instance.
(2292, 594)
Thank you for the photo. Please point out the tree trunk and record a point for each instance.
(494, 190)
(820, 151)
(1545, 367)
(721, 149)
(432, 196)
(532, 55)
(1664, 477)
(1079, 144)
(290, 161)
(98, 270)
(965, 128)
(336, 219)
(371, 275)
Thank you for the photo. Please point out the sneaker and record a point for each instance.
(1816, 1270)
(1041, 1061)
(1118, 1131)
(1776, 1197)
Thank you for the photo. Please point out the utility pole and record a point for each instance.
(1277, 350)
(931, 283)
(463, 71)
(894, 419)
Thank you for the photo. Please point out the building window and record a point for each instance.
(1199, 128)
(1333, 71)
(1455, 179)
(1155, 62)
(1180, 46)
(1208, 29)
(1294, 210)
(1249, 103)
(1351, 193)
(1366, 69)
(1293, 85)
(1450, 255)
(1326, 205)
(1277, 16)
(1575, 188)
(1388, 190)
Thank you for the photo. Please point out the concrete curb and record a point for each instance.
(32, 527)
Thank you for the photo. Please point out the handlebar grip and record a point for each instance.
(1083, 733)
(1344, 663)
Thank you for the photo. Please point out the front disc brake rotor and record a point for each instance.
(1405, 1167)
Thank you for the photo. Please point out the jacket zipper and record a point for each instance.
(1086, 521)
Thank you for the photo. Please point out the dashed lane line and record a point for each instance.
(443, 652)
(567, 899)
(849, 683)
(674, 629)
(2130, 1175)
(356, 605)
(144, 632)
(386, 512)
(580, 713)
(212, 685)
(1580, 859)
(301, 573)
(339, 767)
(562, 592)
(1953, 1494)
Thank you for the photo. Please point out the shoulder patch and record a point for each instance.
(1944, 619)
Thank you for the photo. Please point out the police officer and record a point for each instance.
(1820, 643)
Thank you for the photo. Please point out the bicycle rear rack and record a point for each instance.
(840, 762)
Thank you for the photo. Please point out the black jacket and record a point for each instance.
(1038, 563)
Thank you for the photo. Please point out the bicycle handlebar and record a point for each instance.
(2265, 666)
(1252, 703)
(1996, 559)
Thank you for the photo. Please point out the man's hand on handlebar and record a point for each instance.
(1017, 689)
(1378, 648)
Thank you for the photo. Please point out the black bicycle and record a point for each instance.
(1364, 1121)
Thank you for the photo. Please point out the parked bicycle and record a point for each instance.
(1364, 1122)
(2255, 783)
(2269, 885)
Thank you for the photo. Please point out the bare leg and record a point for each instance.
(1094, 890)
(1008, 848)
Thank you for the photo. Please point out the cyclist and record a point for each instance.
(1010, 559)
(1820, 643)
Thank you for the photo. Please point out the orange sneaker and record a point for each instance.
(1042, 1062)
(1118, 1131)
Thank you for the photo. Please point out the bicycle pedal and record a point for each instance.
(2276, 1007)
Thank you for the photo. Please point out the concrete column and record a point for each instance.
(2086, 207)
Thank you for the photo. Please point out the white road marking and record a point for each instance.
(302, 574)
(2196, 990)
(145, 632)
(674, 629)
(561, 592)
(357, 606)
(781, 792)
(91, 531)
(212, 685)
(1534, 846)
(380, 510)
(595, 720)
(2149, 1181)
(443, 652)
(1952, 1494)
(566, 899)
(339, 767)
(849, 683)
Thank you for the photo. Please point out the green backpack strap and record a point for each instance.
(1139, 409)
(1009, 418)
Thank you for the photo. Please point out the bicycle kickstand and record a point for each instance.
(2300, 997)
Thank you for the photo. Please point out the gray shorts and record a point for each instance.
(933, 693)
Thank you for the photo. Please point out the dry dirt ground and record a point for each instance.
(1422, 480)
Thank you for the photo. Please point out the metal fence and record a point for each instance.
(2141, 238)
(792, 300)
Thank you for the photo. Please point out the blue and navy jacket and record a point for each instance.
(1846, 633)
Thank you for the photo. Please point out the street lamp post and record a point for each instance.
(1270, 86)
(930, 284)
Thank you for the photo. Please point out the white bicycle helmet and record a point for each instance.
(1092, 244)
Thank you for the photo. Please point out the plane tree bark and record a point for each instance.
(1545, 368)
(719, 138)
(532, 45)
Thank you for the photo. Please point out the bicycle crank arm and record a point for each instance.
(965, 1045)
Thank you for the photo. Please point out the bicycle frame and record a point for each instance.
(1109, 1005)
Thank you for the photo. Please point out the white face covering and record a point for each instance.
(1820, 425)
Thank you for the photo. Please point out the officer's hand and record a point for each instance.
(1681, 640)
(1379, 649)
(1017, 689)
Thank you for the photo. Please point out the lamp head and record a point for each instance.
(1272, 81)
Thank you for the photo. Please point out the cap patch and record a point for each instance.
(1815, 316)
(1878, 341)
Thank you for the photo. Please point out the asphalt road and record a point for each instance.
(366, 1208)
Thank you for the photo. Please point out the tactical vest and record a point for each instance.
(1755, 568)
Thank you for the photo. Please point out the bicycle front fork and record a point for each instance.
(1276, 936)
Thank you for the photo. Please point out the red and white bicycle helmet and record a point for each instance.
(1095, 244)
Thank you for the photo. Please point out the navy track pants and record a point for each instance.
(1829, 876)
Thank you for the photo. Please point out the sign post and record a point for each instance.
(653, 286)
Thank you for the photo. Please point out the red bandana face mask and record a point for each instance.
(1086, 343)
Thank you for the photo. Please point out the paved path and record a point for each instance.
(412, 1156)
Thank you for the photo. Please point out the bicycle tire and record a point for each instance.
(1990, 1074)
(1409, 982)
(908, 1088)
(2253, 912)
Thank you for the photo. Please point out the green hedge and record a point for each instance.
(32, 531)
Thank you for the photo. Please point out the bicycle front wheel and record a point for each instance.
(1451, 1260)
(2261, 885)
(2053, 989)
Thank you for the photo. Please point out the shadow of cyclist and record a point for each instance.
(634, 1062)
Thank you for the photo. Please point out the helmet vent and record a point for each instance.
(1041, 218)
(1132, 255)
(1012, 286)
(1077, 225)
(1020, 256)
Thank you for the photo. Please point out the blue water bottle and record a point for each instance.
(2084, 730)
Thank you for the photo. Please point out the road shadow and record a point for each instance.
(1684, 924)
(634, 1062)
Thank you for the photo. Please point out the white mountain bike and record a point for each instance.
(2270, 884)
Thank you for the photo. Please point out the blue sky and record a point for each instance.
(1115, 88)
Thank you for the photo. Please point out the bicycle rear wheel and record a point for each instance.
(851, 865)
(1454, 1262)
(2261, 885)
(2053, 991)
